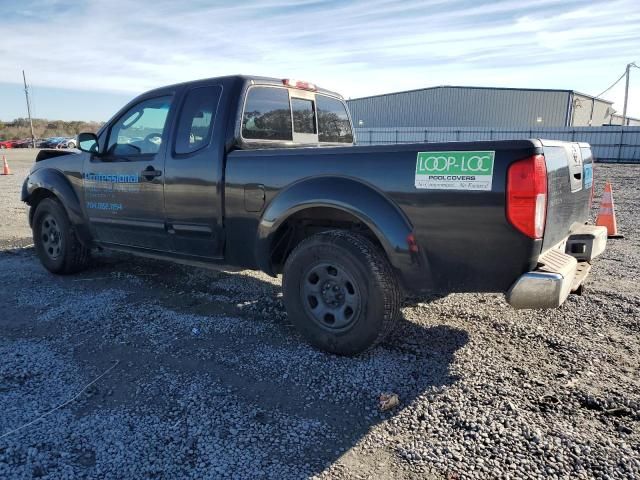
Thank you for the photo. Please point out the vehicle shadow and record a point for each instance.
(294, 406)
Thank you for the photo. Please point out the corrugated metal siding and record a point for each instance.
(465, 107)
(609, 144)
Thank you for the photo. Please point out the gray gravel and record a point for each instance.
(14, 231)
(212, 381)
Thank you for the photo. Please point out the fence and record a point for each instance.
(609, 144)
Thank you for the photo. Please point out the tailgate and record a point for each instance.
(570, 179)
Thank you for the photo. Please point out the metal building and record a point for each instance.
(630, 121)
(450, 106)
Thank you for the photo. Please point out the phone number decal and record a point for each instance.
(104, 206)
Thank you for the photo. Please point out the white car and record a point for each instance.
(67, 143)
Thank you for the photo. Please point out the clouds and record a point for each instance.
(358, 48)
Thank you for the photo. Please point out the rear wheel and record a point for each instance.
(56, 243)
(341, 292)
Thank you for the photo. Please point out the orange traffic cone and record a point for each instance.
(607, 213)
(5, 166)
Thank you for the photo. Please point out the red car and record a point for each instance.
(8, 143)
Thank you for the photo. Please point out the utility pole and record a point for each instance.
(26, 94)
(626, 95)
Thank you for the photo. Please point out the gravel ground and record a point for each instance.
(200, 374)
(14, 231)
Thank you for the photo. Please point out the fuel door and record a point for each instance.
(254, 197)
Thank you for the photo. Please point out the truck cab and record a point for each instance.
(154, 178)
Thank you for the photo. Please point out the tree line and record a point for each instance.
(43, 128)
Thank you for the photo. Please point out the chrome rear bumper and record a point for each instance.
(559, 273)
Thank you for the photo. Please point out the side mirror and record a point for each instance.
(88, 142)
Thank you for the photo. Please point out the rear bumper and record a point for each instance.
(559, 273)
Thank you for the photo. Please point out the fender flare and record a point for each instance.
(383, 217)
(55, 182)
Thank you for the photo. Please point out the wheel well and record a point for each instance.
(35, 198)
(308, 222)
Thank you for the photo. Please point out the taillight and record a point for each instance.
(527, 195)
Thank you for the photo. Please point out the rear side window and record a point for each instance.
(267, 114)
(333, 121)
(196, 119)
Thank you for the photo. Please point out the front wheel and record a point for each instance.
(341, 292)
(56, 243)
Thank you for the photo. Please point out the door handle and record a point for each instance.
(150, 173)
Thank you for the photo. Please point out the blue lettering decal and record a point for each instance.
(104, 206)
(111, 178)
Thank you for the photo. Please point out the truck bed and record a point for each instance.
(465, 239)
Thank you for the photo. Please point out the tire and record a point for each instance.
(56, 243)
(357, 314)
(71, 145)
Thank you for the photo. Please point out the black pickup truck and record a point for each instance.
(262, 173)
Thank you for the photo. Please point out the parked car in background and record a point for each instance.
(44, 143)
(8, 144)
(60, 142)
(51, 142)
(67, 143)
(24, 143)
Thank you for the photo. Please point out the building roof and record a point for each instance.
(484, 88)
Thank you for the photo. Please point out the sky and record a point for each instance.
(84, 59)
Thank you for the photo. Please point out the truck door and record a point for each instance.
(194, 175)
(123, 185)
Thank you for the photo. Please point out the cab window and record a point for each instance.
(140, 130)
(267, 114)
(196, 120)
(304, 116)
(333, 121)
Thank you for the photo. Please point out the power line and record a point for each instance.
(626, 91)
(612, 85)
